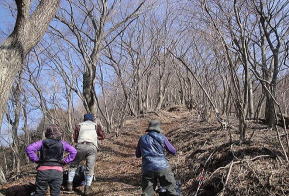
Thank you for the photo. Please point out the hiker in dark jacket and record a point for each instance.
(151, 147)
(51, 161)
(86, 135)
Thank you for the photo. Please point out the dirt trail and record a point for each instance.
(117, 170)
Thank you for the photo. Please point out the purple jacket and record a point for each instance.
(32, 149)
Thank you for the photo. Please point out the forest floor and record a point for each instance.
(207, 163)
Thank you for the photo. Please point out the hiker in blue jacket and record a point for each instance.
(151, 147)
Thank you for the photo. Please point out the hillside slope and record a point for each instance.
(206, 162)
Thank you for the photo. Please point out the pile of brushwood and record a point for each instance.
(213, 164)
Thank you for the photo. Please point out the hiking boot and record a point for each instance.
(88, 190)
(69, 186)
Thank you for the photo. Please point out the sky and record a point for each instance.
(6, 27)
(6, 20)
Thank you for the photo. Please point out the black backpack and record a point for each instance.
(163, 192)
(78, 179)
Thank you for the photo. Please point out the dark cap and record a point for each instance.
(53, 132)
(88, 116)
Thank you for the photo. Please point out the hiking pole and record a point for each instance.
(201, 177)
(201, 180)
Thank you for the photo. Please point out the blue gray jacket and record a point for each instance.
(151, 147)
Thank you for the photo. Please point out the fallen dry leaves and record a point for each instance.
(242, 168)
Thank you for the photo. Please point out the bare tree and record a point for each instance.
(13, 117)
(90, 28)
(270, 42)
(28, 30)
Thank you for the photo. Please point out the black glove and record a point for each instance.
(62, 162)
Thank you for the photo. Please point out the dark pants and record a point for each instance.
(166, 179)
(51, 177)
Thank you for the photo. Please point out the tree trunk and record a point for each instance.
(69, 111)
(139, 98)
(161, 98)
(2, 176)
(88, 91)
(259, 107)
(11, 64)
(251, 100)
(29, 29)
(242, 128)
(147, 90)
(270, 111)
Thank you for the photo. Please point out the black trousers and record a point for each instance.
(50, 177)
(166, 179)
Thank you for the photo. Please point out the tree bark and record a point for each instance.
(28, 30)
(2, 176)
(270, 111)
(88, 90)
(251, 100)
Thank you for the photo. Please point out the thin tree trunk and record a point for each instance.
(251, 100)
(2, 176)
(269, 111)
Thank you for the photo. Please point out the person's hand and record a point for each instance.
(62, 162)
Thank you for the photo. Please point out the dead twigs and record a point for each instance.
(237, 162)
(230, 167)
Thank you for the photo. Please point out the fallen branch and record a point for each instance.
(237, 162)
(227, 178)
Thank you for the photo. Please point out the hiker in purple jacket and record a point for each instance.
(51, 161)
(151, 147)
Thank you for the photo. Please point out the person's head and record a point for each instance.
(154, 125)
(88, 116)
(53, 132)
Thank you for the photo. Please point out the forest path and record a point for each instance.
(117, 170)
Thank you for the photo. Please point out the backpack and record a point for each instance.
(78, 179)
